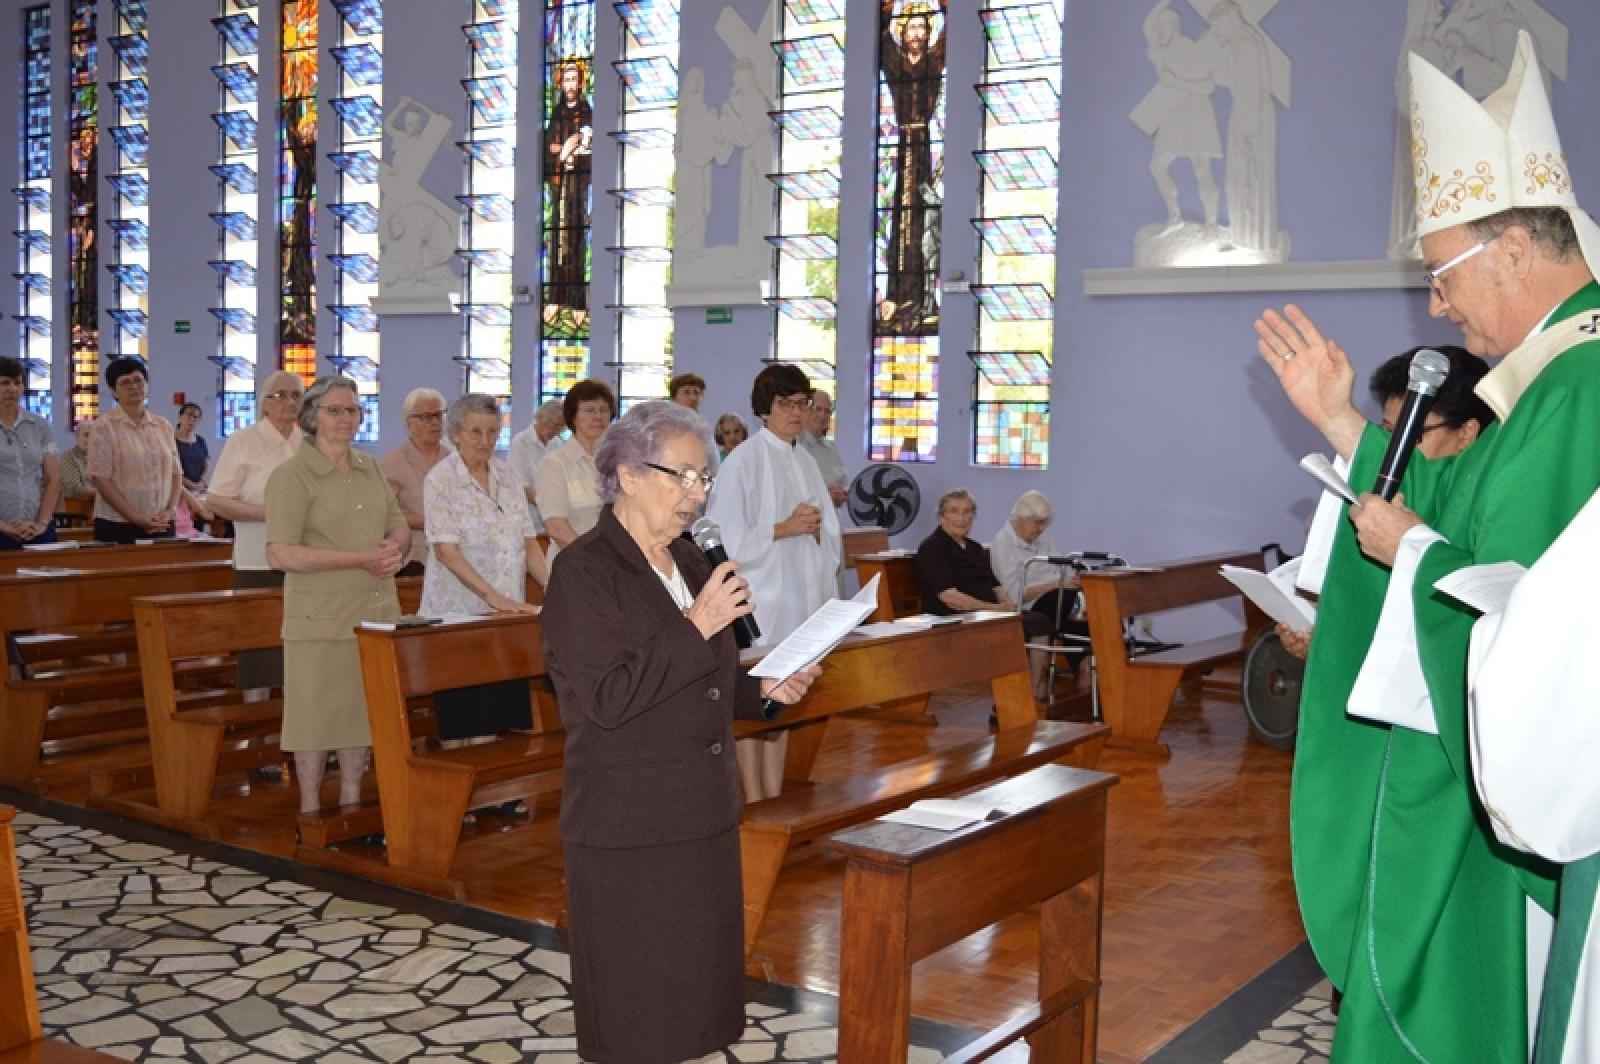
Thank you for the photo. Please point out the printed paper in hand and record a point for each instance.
(1319, 466)
(820, 633)
(1274, 592)
(1486, 588)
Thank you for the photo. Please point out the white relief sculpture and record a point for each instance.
(709, 137)
(1235, 54)
(417, 231)
(1475, 42)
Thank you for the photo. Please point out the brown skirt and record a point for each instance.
(259, 668)
(657, 941)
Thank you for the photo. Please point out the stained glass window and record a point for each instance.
(1020, 93)
(238, 259)
(353, 248)
(35, 268)
(83, 208)
(566, 151)
(489, 155)
(297, 188)
(645, 137)
(903, 425)
(805, 240)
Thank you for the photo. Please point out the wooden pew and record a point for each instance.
(1136, 693)
(910, 891)
(197, 736)
(116, 555)
(855, 542)
(898, 594)
(870, 670)
(423, 791)
(21, 1036)
(75, 707)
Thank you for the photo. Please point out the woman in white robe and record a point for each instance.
(780, 526)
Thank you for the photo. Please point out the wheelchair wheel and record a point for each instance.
(1270, 684)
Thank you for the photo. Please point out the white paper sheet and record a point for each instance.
(1486, 588)
(47, 570)
(1274, 593)
(63, 544)
(1319, 537)
(820, 633)
(1320, 467)
(943, 814)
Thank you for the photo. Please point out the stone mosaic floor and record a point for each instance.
(1303, 1034)
(155, 955)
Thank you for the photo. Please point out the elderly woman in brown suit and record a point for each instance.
(648, 681)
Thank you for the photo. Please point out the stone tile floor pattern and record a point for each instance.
(1303, 1034)
(153, 955)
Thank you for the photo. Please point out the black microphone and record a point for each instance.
(708, 537)
(1429, 368)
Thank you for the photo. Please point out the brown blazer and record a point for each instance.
(647, 703)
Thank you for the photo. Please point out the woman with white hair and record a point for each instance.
(239, 493)
(408, 465)
(1049, 595)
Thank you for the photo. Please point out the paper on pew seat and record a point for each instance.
(449, 618)
(34, 638)
(46, 570)
(64, 544)
(943, 814)
(1486, 588)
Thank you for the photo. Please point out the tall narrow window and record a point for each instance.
(237, 170)
(649, 80)
(83, 209)
(129, 203)
(567, 151)
(1016, 271)
(297, 188)
(358, 143)
(34, 268)
(490, 153)
(806, 240)
(910, 191)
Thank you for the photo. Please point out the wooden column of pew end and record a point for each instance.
(856, 542)
(75, 662)
(425, 791)
(1136, 691)
(21, 1036)
(898, 595)
(876, 669)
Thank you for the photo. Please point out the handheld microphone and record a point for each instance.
(1429, 369)
(707, 535)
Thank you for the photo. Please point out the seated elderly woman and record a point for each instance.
(953, 570)
(408, 465)
(482, 542)
(1038, 589)
(648, 682)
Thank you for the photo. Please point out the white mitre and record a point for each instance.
(1471, 159)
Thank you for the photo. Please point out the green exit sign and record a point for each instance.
(181, 326)
(719, 315)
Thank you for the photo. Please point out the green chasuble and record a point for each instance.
(1413, 909)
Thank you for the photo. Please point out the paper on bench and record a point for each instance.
(818, 635)
(1275, 593)
(449, 618)
(943, 814)
(46, 570)
(1486, 588)
(62, 544)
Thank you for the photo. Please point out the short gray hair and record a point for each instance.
(277, 378)
(455, 418)
(417, 395)
(637, 436)
(1549, 228)
(1032, 504)
(951, 496)
(317, 393)
(550, 410)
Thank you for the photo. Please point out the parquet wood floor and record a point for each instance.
(1199, 897)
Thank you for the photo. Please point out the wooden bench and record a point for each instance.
(856, 542)
(910, 891)
(59, 706)
(898, 594)
(118, 555)
(1136, 692)
(869, 670)
(197, 736)
(21, 1036)
(424, 791)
